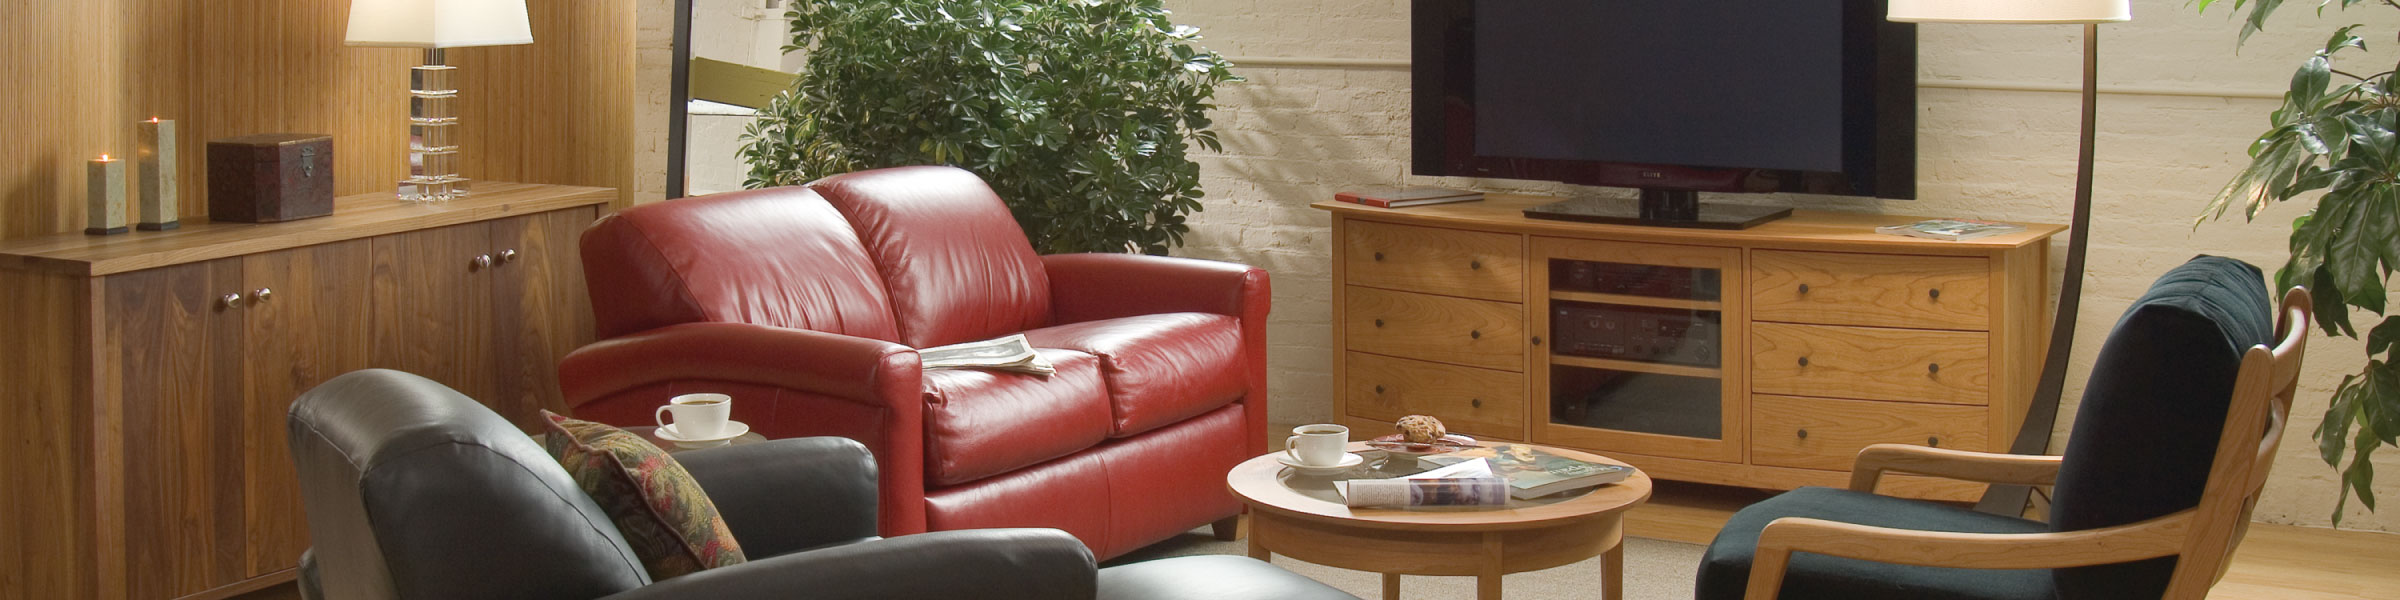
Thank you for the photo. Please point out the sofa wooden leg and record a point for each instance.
(1227, 529)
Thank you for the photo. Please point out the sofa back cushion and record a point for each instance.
(2146, 432)
(780, 257)
(954, 261)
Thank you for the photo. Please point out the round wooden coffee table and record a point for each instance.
(1300, 516)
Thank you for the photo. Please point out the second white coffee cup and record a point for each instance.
(1319, 445)
(697, 416)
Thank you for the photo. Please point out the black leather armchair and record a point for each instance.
(414, 491)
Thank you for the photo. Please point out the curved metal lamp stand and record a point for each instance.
(2041, 412)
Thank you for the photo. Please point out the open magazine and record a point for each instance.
(1010, 353)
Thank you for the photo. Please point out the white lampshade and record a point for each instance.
(2010, 11)
(438, 23)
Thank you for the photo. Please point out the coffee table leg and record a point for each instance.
(1258, 551)
(1391, 586)
(1612, 568)
(1487, 580)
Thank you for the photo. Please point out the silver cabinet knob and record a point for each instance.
(480, 262)
(262, 295)
(229, 301)
(508, 256)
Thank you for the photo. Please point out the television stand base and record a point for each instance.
(1659, 208)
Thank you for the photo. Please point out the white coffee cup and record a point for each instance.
(1319, 445)
(697, 416)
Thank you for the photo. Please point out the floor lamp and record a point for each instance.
(2041, 413)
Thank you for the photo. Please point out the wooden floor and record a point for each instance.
(2275, 561)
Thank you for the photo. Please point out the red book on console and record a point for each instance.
(1389, 197)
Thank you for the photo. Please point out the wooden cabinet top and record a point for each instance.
(1808, 229)
(360, 216)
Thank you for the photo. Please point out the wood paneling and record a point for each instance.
(47, 420)
(1437, 328)
(1871, 289)
(1474, 264)
(1909, 365)
(529, 292)
(179, 349)
(557, 111)
(432, 307)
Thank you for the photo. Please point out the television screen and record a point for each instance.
(1704, 95)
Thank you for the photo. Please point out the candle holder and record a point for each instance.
(155, 149)
(104, 212)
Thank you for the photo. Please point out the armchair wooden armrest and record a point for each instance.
(1986, 467)
(2147, 539)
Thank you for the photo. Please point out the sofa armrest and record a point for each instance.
(868, 371)
(994, 564)
(787, 495)
(1089, 287)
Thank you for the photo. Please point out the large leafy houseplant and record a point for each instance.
(1080, 113)
(2334, 138)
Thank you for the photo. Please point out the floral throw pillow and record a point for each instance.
(656, 504)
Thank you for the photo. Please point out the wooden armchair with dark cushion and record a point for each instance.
(2170, 448)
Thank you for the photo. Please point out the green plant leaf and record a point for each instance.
(2381, 338)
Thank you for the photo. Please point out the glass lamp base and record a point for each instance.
(433, 189)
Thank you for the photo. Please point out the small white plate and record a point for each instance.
(733, 429)
(1348, 460)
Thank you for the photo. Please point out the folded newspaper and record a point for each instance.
(1470, 483)
(1011, 353)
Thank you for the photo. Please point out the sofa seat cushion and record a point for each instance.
(983, 422)
(1725, 570)
(1160, 369)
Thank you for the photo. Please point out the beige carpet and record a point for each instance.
(1654, 570)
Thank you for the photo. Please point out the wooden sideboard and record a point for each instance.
(145, 377)
(1816, 337)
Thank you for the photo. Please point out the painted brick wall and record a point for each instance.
(1296, 135)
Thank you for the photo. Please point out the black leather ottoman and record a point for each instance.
(1210, 578)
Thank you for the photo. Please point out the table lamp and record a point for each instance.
(2042, 412)
(433, 92)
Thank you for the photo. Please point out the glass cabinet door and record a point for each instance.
(1636, 349)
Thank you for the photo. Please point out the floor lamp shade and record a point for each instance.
(2010, 11)
(438, 23)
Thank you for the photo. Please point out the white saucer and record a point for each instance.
(1348, 460)
(733, 429)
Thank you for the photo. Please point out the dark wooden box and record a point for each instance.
(270, 177)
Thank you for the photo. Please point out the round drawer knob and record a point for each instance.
(480, 262)
(1379, 257)
(1804, 288)
(1379, 322)
(1537, 340)
(1475, 402)
(1804, 361)
(1475, 264)
(1933, 368)
(1804, 434)
(1933, 441)
(1935, 294)
(230, 301)
(506, 256)
(1477, 334)
(1379, 389)
(262, 295)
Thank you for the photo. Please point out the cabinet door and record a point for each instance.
(1644, 352)
(433, 312)
(172, 362)
(304, 313)
(540, 309)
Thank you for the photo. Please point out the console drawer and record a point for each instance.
(1458, 331)
(1477, 402)
(1914, 365)
(1887, 290)
(1824, 433)
(1451, 262)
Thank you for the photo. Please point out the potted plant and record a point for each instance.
(2334, 140)
(1079, 113)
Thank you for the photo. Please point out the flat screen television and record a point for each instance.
(1674, 97)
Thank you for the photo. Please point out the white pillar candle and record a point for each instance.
(156, 152)
(105, 212)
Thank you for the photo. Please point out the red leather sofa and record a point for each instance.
(807, 303)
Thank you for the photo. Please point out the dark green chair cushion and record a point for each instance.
(1725, 570)
(2146, 432)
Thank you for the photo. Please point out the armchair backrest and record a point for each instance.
(2147, 433)
(780, 257)
(957, 266)
(2262, 401)
(414, 491)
